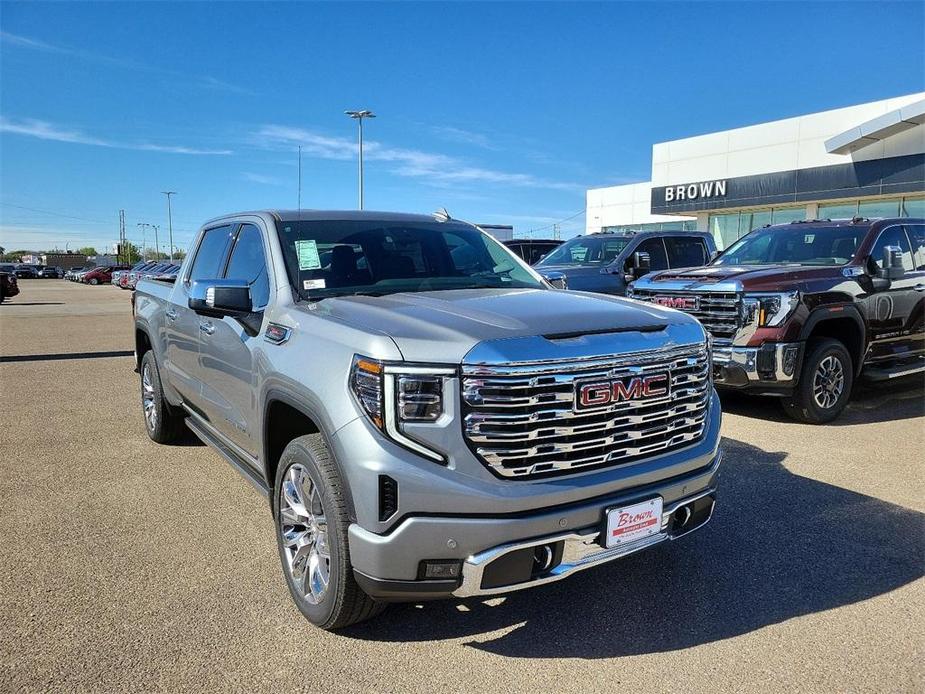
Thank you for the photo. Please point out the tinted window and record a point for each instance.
(656, 251)
(587, 250)
(211, 254)
(917, 237)
(893, 236)
(248, 263)
(686, 252)
(796, 245)
(538, 250)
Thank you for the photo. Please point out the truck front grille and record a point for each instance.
(718, 311)
(521, 419)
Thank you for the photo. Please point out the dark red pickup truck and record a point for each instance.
(801, 310)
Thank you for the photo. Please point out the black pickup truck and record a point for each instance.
(801, 310)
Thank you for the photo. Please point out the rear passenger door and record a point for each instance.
(182, 323)
(226, 352)
(686, 251)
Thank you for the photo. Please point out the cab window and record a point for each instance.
(686, 251)
(656, 250)
(893, 236)
(248, 263)
(210, 256)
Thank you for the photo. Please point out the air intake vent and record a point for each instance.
(388, 497)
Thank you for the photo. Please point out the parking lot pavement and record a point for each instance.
(132, 566)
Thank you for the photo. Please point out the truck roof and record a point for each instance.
(337, 215)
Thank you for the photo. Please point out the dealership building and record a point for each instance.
(866, 160)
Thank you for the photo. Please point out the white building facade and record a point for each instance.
(866, 160)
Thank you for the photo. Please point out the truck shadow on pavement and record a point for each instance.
(870, 403)
(779, 546)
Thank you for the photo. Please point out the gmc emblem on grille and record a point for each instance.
(601, 393)
(683, 303)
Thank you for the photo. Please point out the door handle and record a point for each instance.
(919, 287)
(171, 314)
(207, 327)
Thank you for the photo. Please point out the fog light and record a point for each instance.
(790, 360)
(439, 568)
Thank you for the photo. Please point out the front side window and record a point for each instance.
(686, 252)
(248, 263)
(656, 250)
(370, 257)
(916, 234)
(892, 236)
(210, 257)
(796, 245)
(586, 250)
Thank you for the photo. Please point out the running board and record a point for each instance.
(908, 368)
(229, 455)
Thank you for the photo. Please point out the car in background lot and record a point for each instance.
(532, 250)
(26, 272)
(9, 286)
(75, 273)
(801, 310)
(46, 272)
(101, 275)
(119, 274)
(607, 262)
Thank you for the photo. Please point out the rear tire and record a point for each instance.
(162, 422)
(94, 281)
(311, 518)
(824, 388)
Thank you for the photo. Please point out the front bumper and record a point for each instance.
(772, 366)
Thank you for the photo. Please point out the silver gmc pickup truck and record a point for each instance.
(428, 417)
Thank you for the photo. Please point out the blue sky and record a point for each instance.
(499, 112)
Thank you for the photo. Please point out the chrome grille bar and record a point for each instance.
(718, 312)
(520, 419)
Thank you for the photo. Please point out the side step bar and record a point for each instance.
(906, 368)
(247, 472)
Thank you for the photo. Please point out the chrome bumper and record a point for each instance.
(581, 551)
(771, 362)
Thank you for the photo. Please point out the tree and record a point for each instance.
(87, 250)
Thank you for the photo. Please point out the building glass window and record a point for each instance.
(753, 220)
(784, 215)
(842, 210)
(913, 207)
(879, 208)
(680, 225)
(725, 229)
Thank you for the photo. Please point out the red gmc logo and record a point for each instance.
(601, 393)
(683, 303)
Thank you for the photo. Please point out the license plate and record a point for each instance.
(633, 523)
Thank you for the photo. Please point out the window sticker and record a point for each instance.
(313, 284)
(308, 254)
(808, 238)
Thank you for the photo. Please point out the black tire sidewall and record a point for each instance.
(323, 613)
(805, 404)
(162, 432)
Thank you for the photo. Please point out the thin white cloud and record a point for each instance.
(44, 130)
(466, 137)
(206, 81)
(434, 168)
(262, 179)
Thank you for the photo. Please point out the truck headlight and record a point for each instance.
(393, 395)
(772, 309)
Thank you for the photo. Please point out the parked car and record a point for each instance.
(606, 262)
(26, 272)
(130, 278)
(49, 272)
(419, 409)
(532, 250)
(102, 275)
(74, 274)
(9, 286)
(802, 310)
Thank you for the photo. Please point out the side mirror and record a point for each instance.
(642, 263)
(557, 279)
(219, 298)
(892, 263)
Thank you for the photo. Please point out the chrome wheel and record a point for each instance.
(147, 397)
(304, 533)
(828, 382)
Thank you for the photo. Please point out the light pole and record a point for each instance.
(157, 247)
(358, 116)
(144, 243)
(168, 193)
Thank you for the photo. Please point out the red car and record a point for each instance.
(101, 275)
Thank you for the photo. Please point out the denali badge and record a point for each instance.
(600, 393)
(682, 303)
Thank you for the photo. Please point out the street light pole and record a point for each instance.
(144, 243)
(157, 247)
(168, 193)
(358, 116)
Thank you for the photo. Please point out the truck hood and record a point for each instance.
(737, 277)
(444, 326)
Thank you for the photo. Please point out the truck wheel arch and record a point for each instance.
(843, 323)
(285, 418)
(142, 344)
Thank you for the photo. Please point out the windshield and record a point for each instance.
(340, 258)
(796, 245)
(586, 250)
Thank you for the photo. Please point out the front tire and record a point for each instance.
(825, 383)
(162, 422)
(94, 281)
(310, 512)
